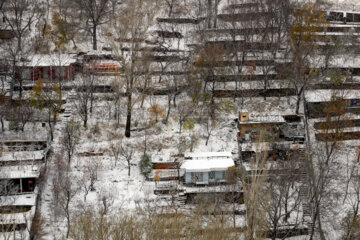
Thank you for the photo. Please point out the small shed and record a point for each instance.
(205, 171)
(46, 67)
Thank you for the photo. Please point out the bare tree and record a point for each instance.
(184, 111)
(66, 191)
(21, 114)
(21, 16)
(91, 14)
(126, 36)
(307, 20)
(70, 139)
(85, 96)
(283, 201)
(105, 201)
(127, 152)
(89, 177)
(350, 223)
(115, 150)
(321, 162)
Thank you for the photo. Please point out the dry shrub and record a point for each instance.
(165, 226)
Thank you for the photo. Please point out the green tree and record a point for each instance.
(47, 99)
(145, 165)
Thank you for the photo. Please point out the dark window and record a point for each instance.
(9, 186)
(349, 17)
(212, 175)
(356, 17)
(196, 177)
(336, 16)
(28, 184)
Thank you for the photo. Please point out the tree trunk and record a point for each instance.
(212, 105)
(128, 114)
(168, 111)
(129, 167)
(94, 37)
(207, 139)
(180, 123)
(2, 124)
(85, 120)
(209, 13)
(68, 227)
(91, 99)
(50, 127)
(299, 94)
(67, 215)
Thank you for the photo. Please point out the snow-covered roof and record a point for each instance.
(28, 199)
(19, 172)
(48, 60)
(207, 165)
(324, 95)
(206, 155)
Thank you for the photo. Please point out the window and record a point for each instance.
(349, 17)
(28, 185)
(196, 177)
(335, 16)
(9, 187)
(212, 175)
(356, 17)
(60, 72)
(25, 73)
(45, 73)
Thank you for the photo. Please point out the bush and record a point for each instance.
(145, 165)
(96, 129)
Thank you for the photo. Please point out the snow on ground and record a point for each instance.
(129, 193)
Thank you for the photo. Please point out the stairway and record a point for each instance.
(180, 199)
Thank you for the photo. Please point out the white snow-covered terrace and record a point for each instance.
(15, 172)
(17, 218)
(28, 199)
(343, 61)
(21, 156)
(325, 95)
(214, 189)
